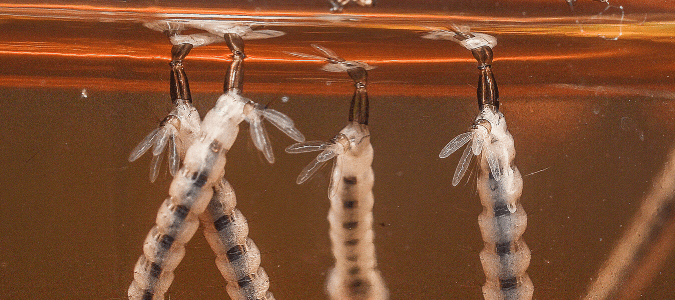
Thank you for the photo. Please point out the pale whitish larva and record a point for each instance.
(189, 194)
(506, 257)
(191, 191)
(355, 275)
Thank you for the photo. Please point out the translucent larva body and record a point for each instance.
(225, 227)
(199, 191)
(355, 275)
(189, 194)
(505, 257)
(237, 257)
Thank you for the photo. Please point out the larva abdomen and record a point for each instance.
(498, 291)
(226, 232)
(355, 275)
(252, 287)
(150, 282)
(505, 257)
(237, 256)
(163, 249)
(505, 261)
(176, 221)
(504, 228)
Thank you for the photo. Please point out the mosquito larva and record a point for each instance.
(199, 189)
(505, 257)
(355, 275)
(177, 221)
(225, 227)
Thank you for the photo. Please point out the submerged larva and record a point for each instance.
(355, 275)
(505, 257)
(199, 190)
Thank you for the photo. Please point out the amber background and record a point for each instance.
(592, 121)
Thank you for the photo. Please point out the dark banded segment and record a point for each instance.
(237, 256)
(349, 204)
(235, 253)
(508, 283)
(349, 180)
(147, 295)
(350, 225)
(505, 257)
(200, 178)
(223, 222)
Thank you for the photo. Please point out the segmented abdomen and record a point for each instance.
(237, 257)
(505, 257)
(177, 222)
(355, 275)
(189, 194)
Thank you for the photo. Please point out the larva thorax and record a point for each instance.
(499, 132)
(353, 175)
(355, 139)
(222, 122)
(186, 120)
(500, 142)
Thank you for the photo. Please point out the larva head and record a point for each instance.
(482, 125)
(187, 125)
(183, 138)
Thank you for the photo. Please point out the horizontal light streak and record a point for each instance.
(320, 16)
(318, 87)
(253, 58)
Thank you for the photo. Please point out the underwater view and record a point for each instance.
(113, 163)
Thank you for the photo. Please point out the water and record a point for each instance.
(592, 119)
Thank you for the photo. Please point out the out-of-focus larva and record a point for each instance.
(355, 275)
